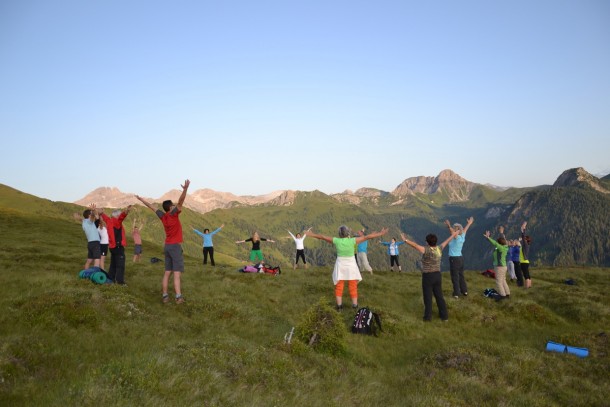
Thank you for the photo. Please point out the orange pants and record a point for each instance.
(352, 285)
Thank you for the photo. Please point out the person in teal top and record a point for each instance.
(208, 246)
(499, 262)
(456, 261)
(346, 268)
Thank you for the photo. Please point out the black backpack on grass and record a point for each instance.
(366, 322)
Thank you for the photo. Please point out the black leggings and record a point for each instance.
(208, 250)
(394, 259)
(301, 254)
(525, 269)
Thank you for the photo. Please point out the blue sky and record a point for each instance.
(255, 96)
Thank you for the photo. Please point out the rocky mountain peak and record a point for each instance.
(457, 188)
(108, 197)
(578, 177)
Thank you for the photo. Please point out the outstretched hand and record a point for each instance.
(487, 234)
(186, 185)
(470, 220)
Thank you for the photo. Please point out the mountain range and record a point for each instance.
(569, 219)
(455, 189)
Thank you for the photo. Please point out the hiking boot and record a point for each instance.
(354, 306)
(180, 300)
(457, 297)
(339, 308)
(165, 299)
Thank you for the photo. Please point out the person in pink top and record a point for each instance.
(137, 241)
(174, 261)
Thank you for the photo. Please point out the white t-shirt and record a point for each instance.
(103, 235)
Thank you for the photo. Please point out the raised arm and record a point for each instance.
(524, 243)
(185, 187)
(449, 226)
(217, 230)
(196, 231)
(469, 222)
(373, 235)
(451, 237)
(291, 235)
(149, 206)
(414, 245)
(320, 237)
(94, 212)
(487, 235)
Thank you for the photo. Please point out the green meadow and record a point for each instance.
(65, 341)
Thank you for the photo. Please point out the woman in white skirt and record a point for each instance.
(346, 268)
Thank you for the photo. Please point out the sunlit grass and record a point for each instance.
(65, 341)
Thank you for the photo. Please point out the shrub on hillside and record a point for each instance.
(322, 329)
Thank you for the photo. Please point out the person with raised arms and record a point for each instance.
(300, 245)
(431, 278)
(346, 268)
(208, 245)
(256, 240)
(456, 260)
(174, 260)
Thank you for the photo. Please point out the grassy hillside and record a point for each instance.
(66, 341)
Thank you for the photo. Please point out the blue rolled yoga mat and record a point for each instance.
(580, 352)
(555, 347)
(561, 348)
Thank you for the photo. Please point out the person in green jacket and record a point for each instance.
(499, 262)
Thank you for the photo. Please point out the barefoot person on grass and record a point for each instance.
(137, 241)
